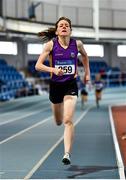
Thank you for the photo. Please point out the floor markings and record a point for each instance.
(117, 149)
(25, 130)
(28, 176)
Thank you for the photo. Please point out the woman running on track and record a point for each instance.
(84, 95)
(98, 85)
(62, 51)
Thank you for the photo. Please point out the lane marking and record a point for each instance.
(2, 115)
(119, 104)
(23, 116)
(117, 149)
(27, 129)
(41, 161)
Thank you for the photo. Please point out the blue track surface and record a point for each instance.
(31, 145)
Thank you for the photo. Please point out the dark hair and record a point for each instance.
(50, 32)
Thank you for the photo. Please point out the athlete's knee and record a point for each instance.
(68, 122)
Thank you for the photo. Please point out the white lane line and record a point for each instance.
(117, 149)
(119, 104)
(23, 116)
(2, 115)
(41, 161)
(25, 130)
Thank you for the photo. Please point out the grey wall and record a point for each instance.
(112, 12)
(21, 60)
(112, 15)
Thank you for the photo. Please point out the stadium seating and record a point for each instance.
(110, 75)
(13, 84)
(34, 73)
(10, 81)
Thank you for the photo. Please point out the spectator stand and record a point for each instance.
(12, 82)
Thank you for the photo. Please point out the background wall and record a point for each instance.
(112, 12)
(20, 61)
(112, 15)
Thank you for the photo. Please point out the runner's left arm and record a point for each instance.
(85, 61)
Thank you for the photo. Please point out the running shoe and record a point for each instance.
(66, 159)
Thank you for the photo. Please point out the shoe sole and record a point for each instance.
(66, 161)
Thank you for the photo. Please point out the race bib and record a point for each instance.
(67, 66)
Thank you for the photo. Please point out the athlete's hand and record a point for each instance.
(89, 85)
(86, 79)
(58, 72)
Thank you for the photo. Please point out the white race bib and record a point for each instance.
(67, 66)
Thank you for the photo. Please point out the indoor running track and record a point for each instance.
(31, 145)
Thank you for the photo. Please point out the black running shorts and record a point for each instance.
(58, 90)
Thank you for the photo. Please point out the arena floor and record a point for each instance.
(31, 145)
